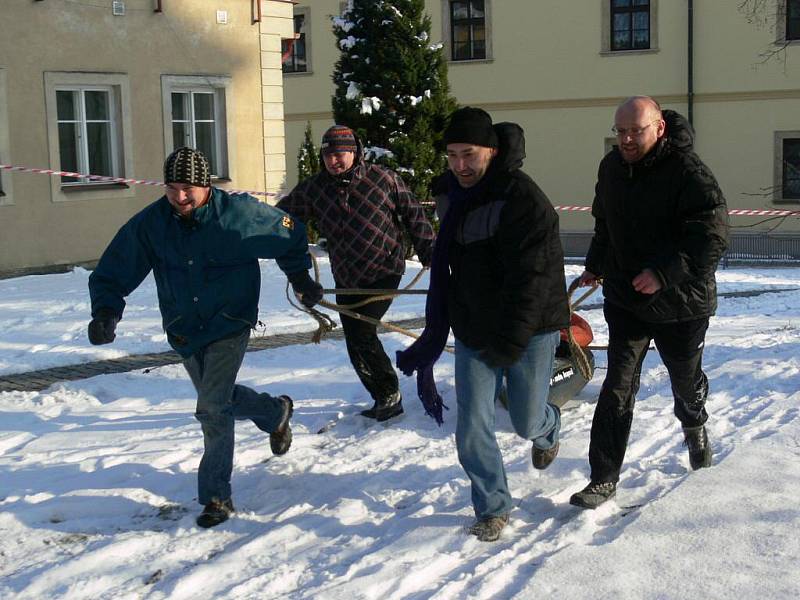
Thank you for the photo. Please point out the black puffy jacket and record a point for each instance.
(667, 213)
(507, 266)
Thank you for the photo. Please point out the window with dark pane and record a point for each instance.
(194, 124)
(205, 127)
(793, 19)
(791, 168)
(293, 52)
(98, 132)
(85, 133)
(630, 24)
(467, 29)
(181, 123)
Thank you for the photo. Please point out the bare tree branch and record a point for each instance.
(767, 14)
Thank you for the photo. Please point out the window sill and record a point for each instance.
(628, 52)
(469, 61)
(297, 73)
(87, 187)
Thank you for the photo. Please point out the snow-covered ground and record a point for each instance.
(98, 477)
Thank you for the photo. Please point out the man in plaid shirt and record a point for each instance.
(360, 209)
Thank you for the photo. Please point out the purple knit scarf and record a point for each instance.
(425, 351)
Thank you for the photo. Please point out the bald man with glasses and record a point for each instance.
(661, 227)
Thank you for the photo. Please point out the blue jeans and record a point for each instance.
(220, 400)
(477, 385)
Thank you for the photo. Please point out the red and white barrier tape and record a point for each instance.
(111, 179)
(739, 212)
(573, 208)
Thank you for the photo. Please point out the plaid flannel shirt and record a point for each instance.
(362, 222)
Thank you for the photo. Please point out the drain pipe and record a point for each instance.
(690, 64)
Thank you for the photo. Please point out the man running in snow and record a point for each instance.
(203, 246)
(661, 226)
(361, 209)
(506, 300)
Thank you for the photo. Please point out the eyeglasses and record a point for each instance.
(632, 131)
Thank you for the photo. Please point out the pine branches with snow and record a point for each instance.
(391, 86)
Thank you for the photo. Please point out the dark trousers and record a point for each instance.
(220, 400)
(680, 346)
(367, 356)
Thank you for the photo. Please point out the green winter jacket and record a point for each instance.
(206, 268)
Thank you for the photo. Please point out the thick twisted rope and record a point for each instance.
(326, 324)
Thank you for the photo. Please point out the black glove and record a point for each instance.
(310, 291)
(500, 359)
(102, 326)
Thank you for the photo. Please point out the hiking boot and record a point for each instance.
(488, 529)
(385, 408)
(281, 439)
(215, 512)
(594, 494)
(542, 458)
(696, 439)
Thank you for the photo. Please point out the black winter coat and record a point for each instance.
(507, 266)
(667, 213)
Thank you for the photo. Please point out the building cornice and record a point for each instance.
(710, 97)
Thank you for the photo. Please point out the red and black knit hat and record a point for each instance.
(338, 139)
(187, 165)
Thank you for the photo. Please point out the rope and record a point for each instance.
(580, 356)
(326, 324)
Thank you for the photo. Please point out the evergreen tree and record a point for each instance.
(307, 156)
(391, 87)
(308, 164)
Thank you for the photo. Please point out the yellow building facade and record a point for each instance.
(110, 88)
(559, 68)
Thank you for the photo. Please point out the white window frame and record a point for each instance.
(777, 194)
(306, 12)
(82, 121)
(605, 31)
(220, 87)
(6, 183)
(447, 31)
(121, 142)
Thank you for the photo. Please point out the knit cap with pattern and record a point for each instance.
(338, 139)
(189, 166)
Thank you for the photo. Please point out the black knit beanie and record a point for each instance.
(471, 126)
(189, 166)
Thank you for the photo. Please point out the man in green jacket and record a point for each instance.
(203, 246)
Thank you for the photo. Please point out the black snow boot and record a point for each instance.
(281, 439)
(215, 512)
(594, 494)
(696, 439)
(385, 408)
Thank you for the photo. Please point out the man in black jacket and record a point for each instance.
(661, 226)
(506, 301)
